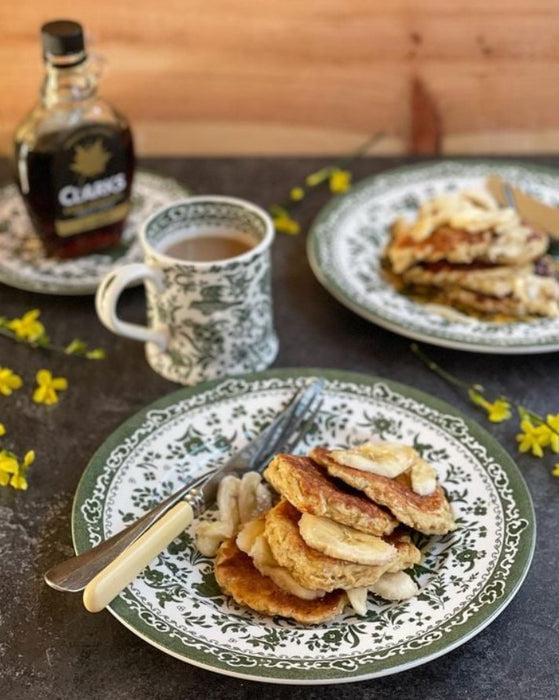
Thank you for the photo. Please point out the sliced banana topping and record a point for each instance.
(238, 501)
(423, 478)
(358, 600)
(228, 502)
(397, 586)
(209, 535)
(390, 460)
(469, 211)
(343, 542)
(248, 534)
(383, 459)
(247, 496)
(252, 541)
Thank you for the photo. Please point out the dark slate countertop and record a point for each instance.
(50, 647)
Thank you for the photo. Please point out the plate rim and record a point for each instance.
(339, 293)
(517, 483)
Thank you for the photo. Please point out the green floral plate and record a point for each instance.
(466, 578)
(347, 240)
(23, 263)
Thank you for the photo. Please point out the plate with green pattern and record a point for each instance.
(466, 578)
(347, 240)
(24, 264)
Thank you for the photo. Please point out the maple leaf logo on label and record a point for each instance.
(90, 160)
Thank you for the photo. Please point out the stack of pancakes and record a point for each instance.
(336, 532)
(466, 252)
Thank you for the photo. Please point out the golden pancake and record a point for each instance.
(516, 291)
(314, 569)
(463, 247)
(311, 490)
(237, 577)
(429, 514)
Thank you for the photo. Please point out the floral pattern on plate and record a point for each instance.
(466, 577)
(347, 240)
(23, 263)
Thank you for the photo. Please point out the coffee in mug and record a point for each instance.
(207, 277)
(220, 245)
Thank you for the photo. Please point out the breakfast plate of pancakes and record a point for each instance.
(471, 558)
(388, 250)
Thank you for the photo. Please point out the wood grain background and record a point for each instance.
(308, 76)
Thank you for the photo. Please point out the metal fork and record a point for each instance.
(282, 435)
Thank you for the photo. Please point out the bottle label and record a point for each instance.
(90, 180)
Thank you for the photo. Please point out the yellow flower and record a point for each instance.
(297, 193)
(19, 480)
(48, 386)
(497, 411)
(8, 467)
(285, 224)
(555, 470)
(533, 437)
(553, 422)
(27, 327)
(340, 180)
(2, 429)
(9, 381)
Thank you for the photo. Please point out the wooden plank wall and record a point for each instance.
(308, 76)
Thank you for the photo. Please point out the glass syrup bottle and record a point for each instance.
(74, 153)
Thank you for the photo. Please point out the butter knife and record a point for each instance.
(531, 210)
(173, 515)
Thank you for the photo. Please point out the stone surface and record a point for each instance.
(51, 648)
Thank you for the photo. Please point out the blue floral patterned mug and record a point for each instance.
(207, 277)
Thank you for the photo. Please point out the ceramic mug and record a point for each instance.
(206, 318)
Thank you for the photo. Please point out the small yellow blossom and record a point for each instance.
(285, 224)
(555, 470)
(497, 411)
(340, 181)
(48, 386)
(9, 381)
(533, 437)
(8, 467)
(27, 327)
(2, 429)
(553, 422)
(296, 194)
(19, 480)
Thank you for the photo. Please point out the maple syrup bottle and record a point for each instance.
(74, 153)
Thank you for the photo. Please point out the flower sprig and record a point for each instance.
(13, 471)
(29, 330)
(536, 432)
(338, 178)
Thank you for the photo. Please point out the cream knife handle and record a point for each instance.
(123, 570)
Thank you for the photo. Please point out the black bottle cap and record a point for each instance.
(62, 37)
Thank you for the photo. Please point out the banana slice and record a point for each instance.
(252, 541)
(423, 478)
(383, 459)
(209, 535)
(343, 542)
(227, 502)
(358, 600)
(397, 586)
(248, 502)
(248, 535)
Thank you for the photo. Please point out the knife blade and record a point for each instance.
(122, 570)
(531, 210)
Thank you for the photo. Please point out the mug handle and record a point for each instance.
(108, 293)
